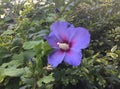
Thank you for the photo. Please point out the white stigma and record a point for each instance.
(63, 46)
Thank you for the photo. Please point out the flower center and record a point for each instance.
(63, 46)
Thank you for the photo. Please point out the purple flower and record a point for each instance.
(68, 43)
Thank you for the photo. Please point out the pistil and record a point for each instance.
(63, 46)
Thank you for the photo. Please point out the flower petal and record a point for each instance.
(55, 58)
(60, 29)
(80, 39)
(52, 40)
(73, 57)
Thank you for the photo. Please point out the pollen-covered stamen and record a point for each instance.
(63, 46)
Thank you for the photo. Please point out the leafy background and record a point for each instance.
(24, 51)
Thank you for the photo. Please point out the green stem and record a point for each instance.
(35, 83)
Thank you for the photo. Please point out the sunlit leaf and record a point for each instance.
(114, 48)
(113, 55)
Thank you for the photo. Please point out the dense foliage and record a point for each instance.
(24, 50)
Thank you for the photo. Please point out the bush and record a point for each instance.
(24, 50)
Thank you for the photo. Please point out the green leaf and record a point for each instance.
(45, 79)
(29, 54)
(18, 56)
(30, 44)
(2, 75)
(13, 72)
(27, 80)
(7, 18)
(8, 32)
(113, 55)
(114, 48)
(4, 54)
(102, 60)
(13, 63)
(85, 70)
(113, 78)
(2, 78)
